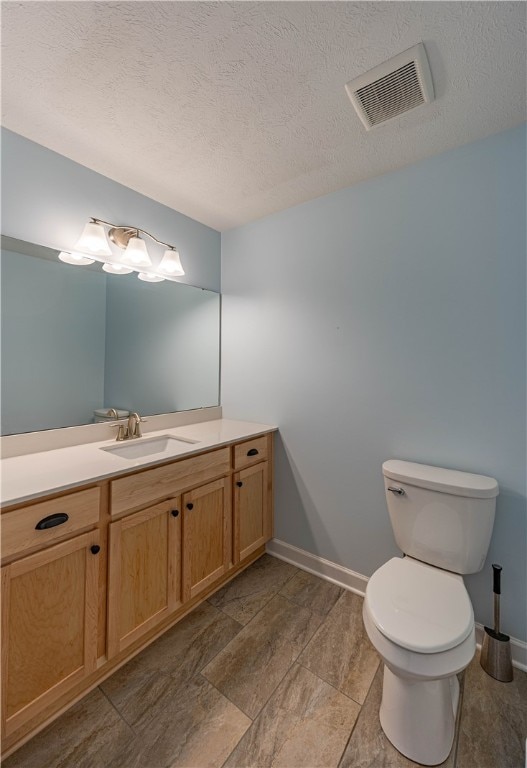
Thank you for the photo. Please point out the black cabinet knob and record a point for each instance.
(252, 452)
(239, 483)
(174, 512)
(190, 506)
(95, 549)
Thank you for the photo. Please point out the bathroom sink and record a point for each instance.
(164, 445)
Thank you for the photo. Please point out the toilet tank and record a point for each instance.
(440, 516)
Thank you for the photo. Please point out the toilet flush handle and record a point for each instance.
(395, 489)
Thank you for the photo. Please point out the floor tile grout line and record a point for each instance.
(293, 662)
(246, 625)
(209, 661)
(252, 617)
(257, 717)
(222, 693)
(275, 689)
(242, 627)
(220, 608)
(331, 685)
(339, 763)
(125, 721)
(299, 605)
(254, 720)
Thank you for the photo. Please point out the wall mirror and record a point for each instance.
(75, 340)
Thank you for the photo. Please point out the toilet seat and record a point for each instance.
(419, 607)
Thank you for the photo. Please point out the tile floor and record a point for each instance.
(274, 670)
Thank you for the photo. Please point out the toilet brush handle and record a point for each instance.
(496, 582)
(497, 592)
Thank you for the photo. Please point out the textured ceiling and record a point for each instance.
(230, 111)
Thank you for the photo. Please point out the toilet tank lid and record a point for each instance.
(442, 480)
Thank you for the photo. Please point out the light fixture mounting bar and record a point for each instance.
(120, 235)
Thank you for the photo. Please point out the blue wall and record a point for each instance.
(387, 320)
(47, 199)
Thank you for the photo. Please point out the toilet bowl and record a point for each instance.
(417, 612)
(420, 621)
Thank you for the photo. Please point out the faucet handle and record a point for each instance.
(122, 431)
(139, 421)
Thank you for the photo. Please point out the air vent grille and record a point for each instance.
(395, 87)
(391, 95)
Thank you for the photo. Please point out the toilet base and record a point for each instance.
(419, 716)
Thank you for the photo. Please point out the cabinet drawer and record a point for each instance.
(250, 452)
(65, 514)
(136, 491)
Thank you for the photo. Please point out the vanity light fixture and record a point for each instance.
(75, 258)
(171, 263)
(93, 246)
(93, 240)
(116, 269)
(149, 278)
(136, 254)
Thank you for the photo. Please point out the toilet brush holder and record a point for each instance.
(496, 647)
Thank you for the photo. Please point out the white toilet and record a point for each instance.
(417, 612)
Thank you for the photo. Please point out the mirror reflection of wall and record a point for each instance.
(75, 339)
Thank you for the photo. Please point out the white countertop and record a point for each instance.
(38, 474)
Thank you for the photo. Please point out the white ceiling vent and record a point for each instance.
(400, 84)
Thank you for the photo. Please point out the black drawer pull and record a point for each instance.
(95, 549)
(51, 521)
(239, 483)
(174, 512)
(190, 506)
(253, 452)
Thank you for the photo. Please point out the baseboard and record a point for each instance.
(356, 582)
(318, 566)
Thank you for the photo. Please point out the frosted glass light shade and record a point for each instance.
(116, 269)
(93, 240)
(147, 278)
(75, 258)
(170, 264)
(136, 254)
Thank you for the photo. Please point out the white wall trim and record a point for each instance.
(316, 565)
(356, 582)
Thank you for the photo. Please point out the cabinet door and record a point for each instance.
(144, 572)
(49, 626)
(252, 519)
(207, 536)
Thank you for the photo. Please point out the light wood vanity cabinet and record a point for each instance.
(138, 490)
(136, 554)
(49, 626)
(144, 572)
(207, 536)
(252, 513)
(33, 527)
